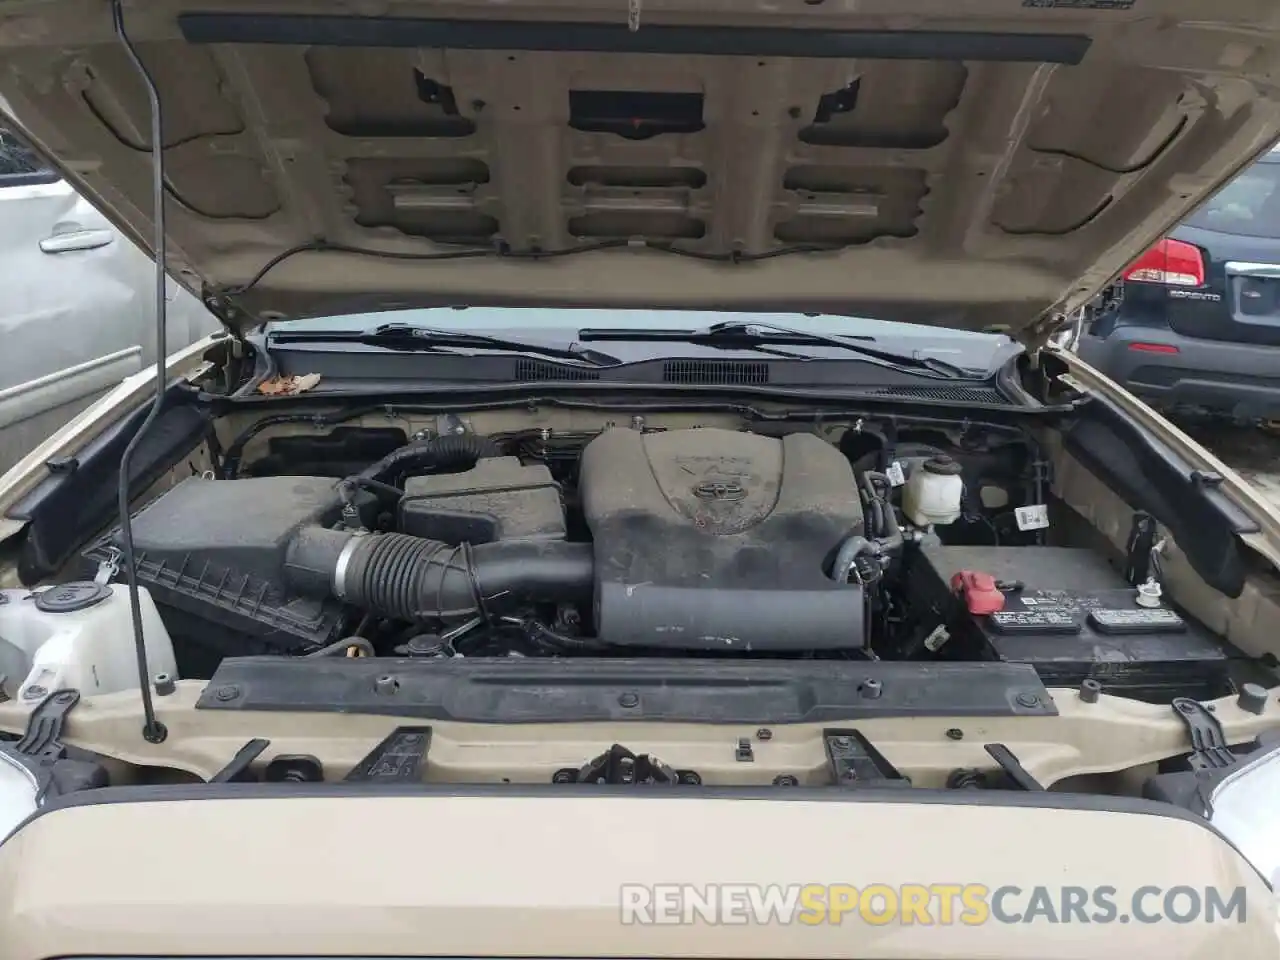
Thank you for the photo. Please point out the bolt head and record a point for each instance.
(1253, 698)
(628, 700)
(764, 733)
(229, 692)
(955, 733)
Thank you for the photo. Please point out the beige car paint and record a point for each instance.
(1108, 737)
(506, 875)
(988, 193)
(1026, 187)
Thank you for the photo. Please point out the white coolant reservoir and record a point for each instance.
(77, 635)
(932, 493)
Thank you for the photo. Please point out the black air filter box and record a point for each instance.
(211, 552)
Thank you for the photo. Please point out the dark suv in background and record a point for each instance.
(1197, 324)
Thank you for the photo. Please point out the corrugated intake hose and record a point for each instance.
(443, 453)
(411, 578)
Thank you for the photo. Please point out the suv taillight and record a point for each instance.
(1170, 262)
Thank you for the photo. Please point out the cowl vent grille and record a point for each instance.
(714, 371)
(541, 370)
(952, 394)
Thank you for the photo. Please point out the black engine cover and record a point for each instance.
(713, 539)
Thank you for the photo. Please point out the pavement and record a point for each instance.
(1253, 452)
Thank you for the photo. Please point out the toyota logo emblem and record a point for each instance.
(722, 490)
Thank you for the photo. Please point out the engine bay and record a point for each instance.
(844, 543)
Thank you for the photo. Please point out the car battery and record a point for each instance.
(1064, 611)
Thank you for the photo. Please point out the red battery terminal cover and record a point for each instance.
(979, 590)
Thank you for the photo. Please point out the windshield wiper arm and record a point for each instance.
(754, 335)
(407, 337)
(770, 332)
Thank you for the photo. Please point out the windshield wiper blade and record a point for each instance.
(407, 337)
(754, 335)
(770, 332)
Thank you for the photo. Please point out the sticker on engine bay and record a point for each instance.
(1034, 517)
(1079, 4)
(894, 472)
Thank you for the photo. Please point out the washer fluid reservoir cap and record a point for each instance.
(70, 597)
(942, 465)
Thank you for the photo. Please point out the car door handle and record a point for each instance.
(76, 240)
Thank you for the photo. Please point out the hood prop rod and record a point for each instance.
(153, 731)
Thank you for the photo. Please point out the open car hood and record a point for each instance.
(987, 165)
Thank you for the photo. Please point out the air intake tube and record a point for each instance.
(411, 578)
(443, 453)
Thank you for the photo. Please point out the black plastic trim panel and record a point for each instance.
(79, 498)
(357, 366)
(593, 690)
(1150, 476)
(342, 31)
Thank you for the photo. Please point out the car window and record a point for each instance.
(1249, 204)
(19, 165)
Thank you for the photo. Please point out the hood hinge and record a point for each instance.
(220, 304)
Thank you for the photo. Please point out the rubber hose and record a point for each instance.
(869, 480)
(340, 647)
(891, 542)
(550, 641)
(891, 539)
(412, 578)
(875, 509)
(852, 547)
(454, 451)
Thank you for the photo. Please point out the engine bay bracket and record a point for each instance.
(577, 690)
(855, 762)
(399, 758)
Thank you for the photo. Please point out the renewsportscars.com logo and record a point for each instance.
(927, 904)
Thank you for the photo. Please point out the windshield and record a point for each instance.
(963, 348)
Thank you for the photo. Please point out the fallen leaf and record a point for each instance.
(285, 386)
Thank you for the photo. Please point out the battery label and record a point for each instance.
(1136, 620)
(1042, 620)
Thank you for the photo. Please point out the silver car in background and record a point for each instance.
(76, 313)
